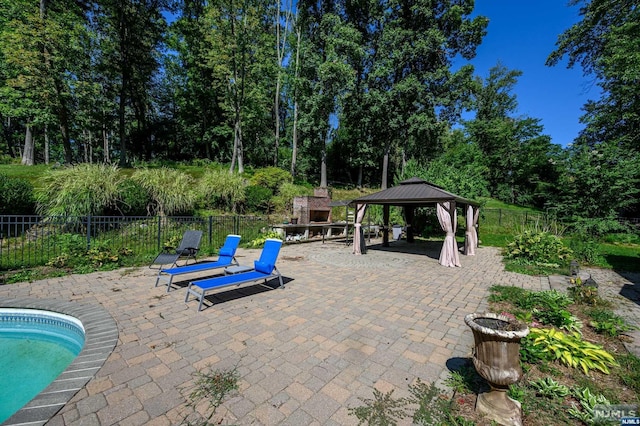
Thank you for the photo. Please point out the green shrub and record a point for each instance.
(538, 248)
(257, 198)
(16, 196)
(585, 249)
(81, 190)
(218, 188)
(597, 226)
(171, 191)
(132, 199)
(271, 177)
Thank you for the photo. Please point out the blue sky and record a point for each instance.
(521, 34)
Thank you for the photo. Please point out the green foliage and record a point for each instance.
(259, 241)
(434, 408)
(604, 321)
(171, 191)
(629, 373)
(257, 198)
(382, 410)
(572, 351)
(271, 177)
(543, 299)
(545, 306)
(80, 190)
(598, 183)
(549, 388)
(16, 196)
(587, 401)
(516, 392)
(219, 188)
(538, 247)
(511, 294)
(584, 294)
(210, 388)
(464, 380)
(74, 254)
(532, 353)
(459, 170)
(584, 248)
(283, 201)
(132, 200)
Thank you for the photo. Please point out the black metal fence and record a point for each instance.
(513, 218)
(27, 241)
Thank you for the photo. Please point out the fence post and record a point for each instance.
(89, 232)
(210, 231)
(236, 225)
(159, 233)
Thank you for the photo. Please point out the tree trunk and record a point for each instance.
(385, 168)
(105, 145)
(294, 137)
(46, 144)
(121, 129)
(29, 147)
(240, 153)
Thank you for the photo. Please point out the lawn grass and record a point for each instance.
(29, 173)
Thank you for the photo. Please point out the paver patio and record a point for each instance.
(343, 325)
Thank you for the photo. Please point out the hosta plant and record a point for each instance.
(538, 248)
(587, 401)
(550, 388)
(572, 351)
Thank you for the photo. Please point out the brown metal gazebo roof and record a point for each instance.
(414, 191)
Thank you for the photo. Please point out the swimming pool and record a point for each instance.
(101, 337)
(35, 347)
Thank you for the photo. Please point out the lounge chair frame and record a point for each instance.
(227, 257)
(200, 288)
(189, 247)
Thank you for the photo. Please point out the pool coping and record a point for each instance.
(101, 337)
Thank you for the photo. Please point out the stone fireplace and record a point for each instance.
(313, 209)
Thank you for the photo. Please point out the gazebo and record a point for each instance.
(413, 193)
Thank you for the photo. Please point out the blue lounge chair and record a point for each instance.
(264, 269)
(226, 257)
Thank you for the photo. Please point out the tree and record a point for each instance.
(327, 43)
(598, 183)
(411, 94)
(44, 53)
(241, 57)
(130, 33)
(606, 45)
(515, 152)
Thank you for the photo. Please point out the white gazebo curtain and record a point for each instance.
(359, 245)
(471, 235)
(448, 218)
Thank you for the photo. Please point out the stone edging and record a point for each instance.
(101, 337)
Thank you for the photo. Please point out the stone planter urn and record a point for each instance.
(496, 356)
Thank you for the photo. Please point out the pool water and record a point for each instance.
(35, 347)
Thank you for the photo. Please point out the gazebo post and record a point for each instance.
(385, 221)
(409, 214)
